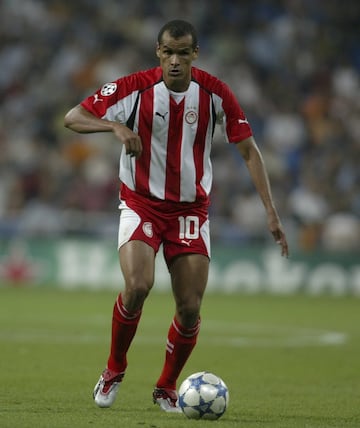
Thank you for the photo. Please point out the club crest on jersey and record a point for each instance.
(191, 117)
(108, 89)
(148, 229)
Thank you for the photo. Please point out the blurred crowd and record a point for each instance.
(293, 64)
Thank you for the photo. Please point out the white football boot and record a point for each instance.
(106, 389)
(167, 399)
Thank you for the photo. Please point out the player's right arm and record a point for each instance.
(80, 120)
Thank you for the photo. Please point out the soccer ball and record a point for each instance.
(203, 395)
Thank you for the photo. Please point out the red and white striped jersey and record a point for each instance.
(175, 163)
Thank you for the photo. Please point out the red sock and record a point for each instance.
(124, 325)
(180, 343)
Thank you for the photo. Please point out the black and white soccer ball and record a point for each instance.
(203, 395)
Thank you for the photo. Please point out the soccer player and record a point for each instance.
(165, 119)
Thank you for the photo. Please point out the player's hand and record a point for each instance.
(131, 140)
(278, 233)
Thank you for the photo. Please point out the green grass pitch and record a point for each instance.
(289, 362)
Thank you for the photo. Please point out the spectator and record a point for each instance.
(298, 79)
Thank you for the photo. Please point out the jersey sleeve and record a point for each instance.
(101, 102)
(231, 117)
(114, 100)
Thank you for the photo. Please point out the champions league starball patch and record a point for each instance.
(108, 89)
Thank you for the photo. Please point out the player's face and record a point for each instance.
(176, 57)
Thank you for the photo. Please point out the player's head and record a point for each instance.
(179, 28)
(177, 47)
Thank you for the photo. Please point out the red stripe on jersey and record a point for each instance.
(173, 156)
(200, 140)
(145, 130)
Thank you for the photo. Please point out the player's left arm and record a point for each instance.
(256, 166)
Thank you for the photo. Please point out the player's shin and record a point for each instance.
(124, 326)
(179, 345)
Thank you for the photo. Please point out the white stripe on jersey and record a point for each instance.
(221, 120)
(206, 180)
(127, 167)
(159, 141)
(121, 111)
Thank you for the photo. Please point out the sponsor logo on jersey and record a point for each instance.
(163, 116)
(108, 89)
(242, 121)
(97, 99)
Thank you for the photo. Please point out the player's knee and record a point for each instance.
(188, 312)
(137, 292)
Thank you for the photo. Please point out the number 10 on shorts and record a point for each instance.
(188, 227)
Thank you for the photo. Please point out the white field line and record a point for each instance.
(213, 333)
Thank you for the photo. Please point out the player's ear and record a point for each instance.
(195, 53)
(158, 50)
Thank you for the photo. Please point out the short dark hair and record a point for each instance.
(179, 28)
